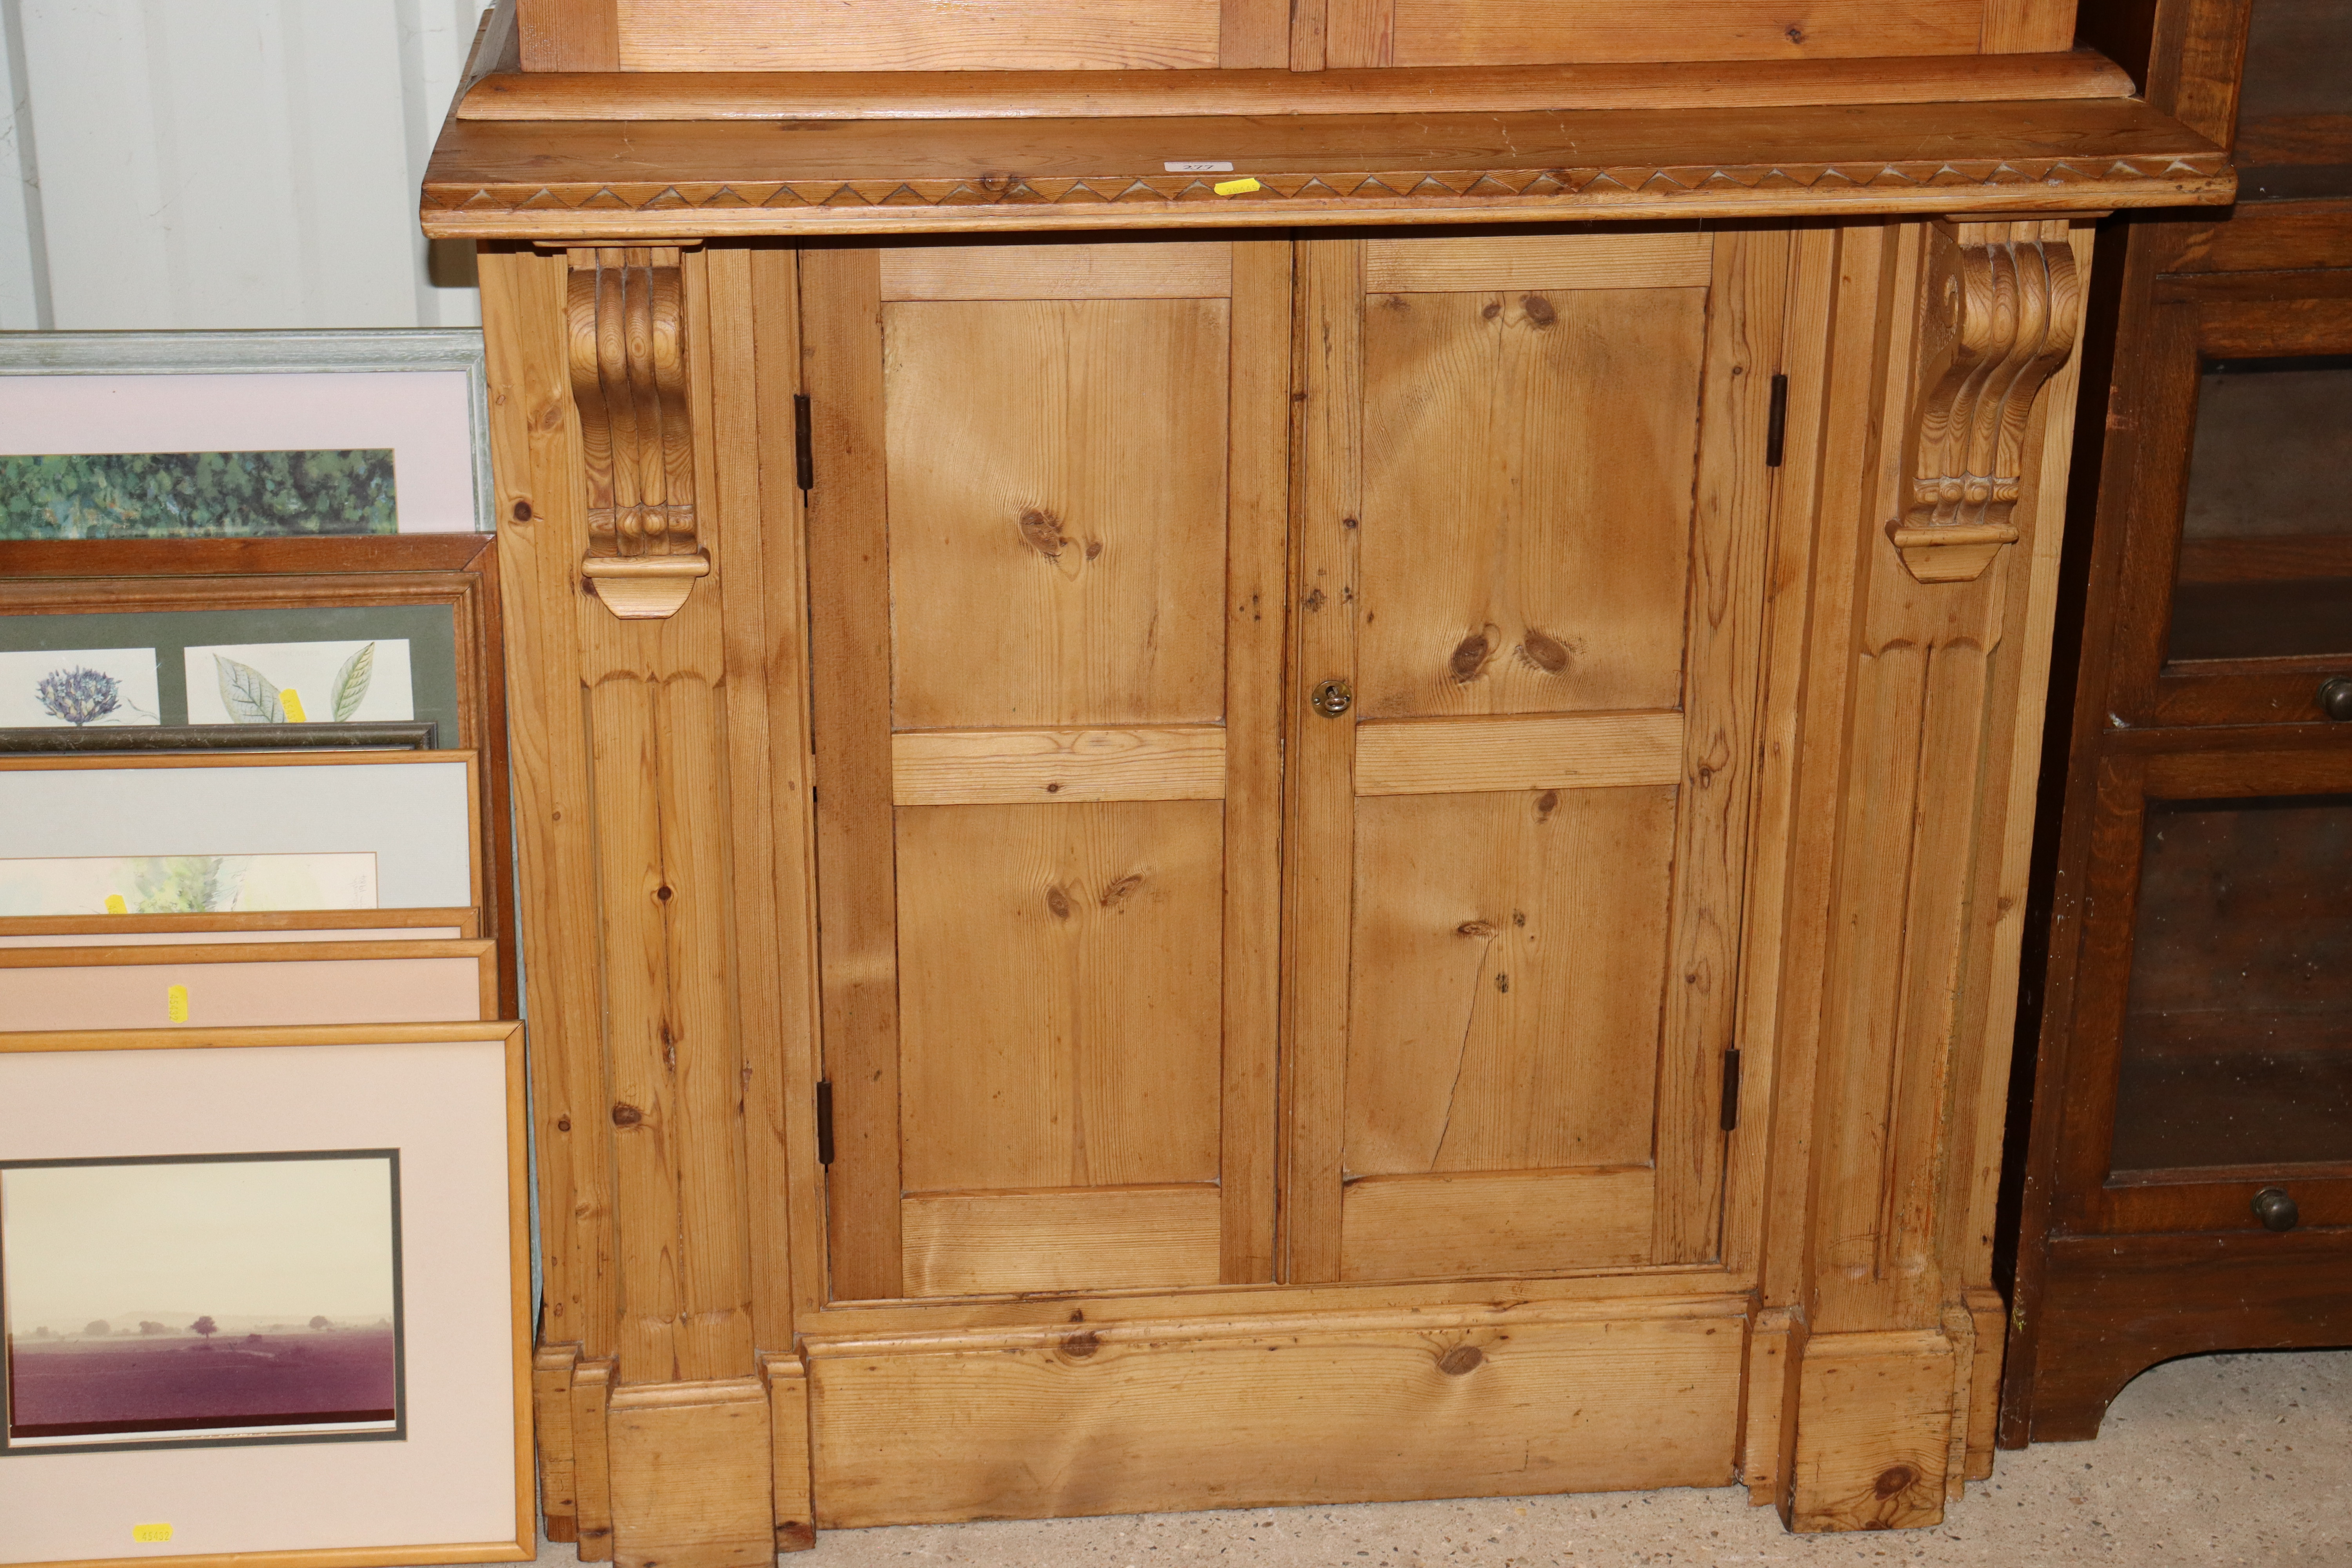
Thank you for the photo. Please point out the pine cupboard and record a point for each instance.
(1348, 827)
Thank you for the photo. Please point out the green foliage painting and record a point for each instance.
(156, 495)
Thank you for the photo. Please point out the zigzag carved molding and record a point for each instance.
(1999, 312)
(474, 208)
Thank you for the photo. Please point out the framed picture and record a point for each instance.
(245, 985)
(161, 834)
(375, 625)
(264, 1297)
(181, 931)
(219, 435)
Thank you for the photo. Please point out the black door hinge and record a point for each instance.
(804, 450)
(1731, 1089)
(825, 1121)
(1776, 429)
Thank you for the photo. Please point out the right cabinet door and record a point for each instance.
(1535, 495)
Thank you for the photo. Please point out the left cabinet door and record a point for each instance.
(1045, 573)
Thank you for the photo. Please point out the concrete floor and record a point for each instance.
(2217, 1461)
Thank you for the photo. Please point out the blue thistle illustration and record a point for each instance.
(80, 696)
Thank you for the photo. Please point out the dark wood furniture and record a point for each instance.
(2187, 1183)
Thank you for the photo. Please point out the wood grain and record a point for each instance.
(788, 1446)
(1129, 1418)
(1523, 31)
(1874, 1415)
(568, 35)
(1510, 565)
(849, 702)
(1076, 1239)
(592, 1458)
(983, 767)
(1319, 838)
(1510, 951)
(1036, 575)
(1059, 994)
(783, 539)
(1031, 269)
(1497, 263)
(1496, 1222)
(1257, 636)
(1730, 551)
(1595, 751)
(542, 527)
(916, 34)
(693, 1475)
(1030, 94)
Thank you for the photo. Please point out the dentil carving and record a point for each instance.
(2001, 303)
(626, 312)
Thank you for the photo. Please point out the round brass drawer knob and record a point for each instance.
(2275, 1209)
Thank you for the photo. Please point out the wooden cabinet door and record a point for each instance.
(1536, 491)
(1046, 534)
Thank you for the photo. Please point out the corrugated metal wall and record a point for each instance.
(224, 163)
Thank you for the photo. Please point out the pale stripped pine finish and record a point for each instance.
(1043, 692)
(1538, 969)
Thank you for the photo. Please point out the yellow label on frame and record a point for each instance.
(1240, 187)
(115, 906)
(176, 1002)
(150, 1533)
(291, 701)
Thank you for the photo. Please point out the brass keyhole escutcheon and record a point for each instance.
(1332, 697)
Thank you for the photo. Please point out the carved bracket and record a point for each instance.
(2001, 303)
(626, 313)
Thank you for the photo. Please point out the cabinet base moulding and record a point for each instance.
(1148, 1417)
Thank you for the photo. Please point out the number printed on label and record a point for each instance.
(150, 1533)
(1198, 166)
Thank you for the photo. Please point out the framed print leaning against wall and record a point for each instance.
(264, 1297)
(218, 434)
(251, 632)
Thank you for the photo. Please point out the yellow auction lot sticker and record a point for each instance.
(150, 1533)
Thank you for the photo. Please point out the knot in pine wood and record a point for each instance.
(1461, 1361)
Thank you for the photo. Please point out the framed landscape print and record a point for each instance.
(248, 634)
(264, 1297)
(224, 435)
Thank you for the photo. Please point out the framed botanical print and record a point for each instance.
(264, 1297)
(189, 642)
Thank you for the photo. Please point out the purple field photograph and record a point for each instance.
(346, 1378)
(283, 1275)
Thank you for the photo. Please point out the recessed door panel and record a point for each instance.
(1057, 510)
(1545, 573)
(1045, 567)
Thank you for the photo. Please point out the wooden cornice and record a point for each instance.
(659, 180)
(504, 91)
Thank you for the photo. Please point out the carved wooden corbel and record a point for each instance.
(2001, 303)
(626, 312)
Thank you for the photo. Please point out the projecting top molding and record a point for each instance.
(659, 155)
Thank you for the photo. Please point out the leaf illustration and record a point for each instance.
(247, 694)
(351, 682)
